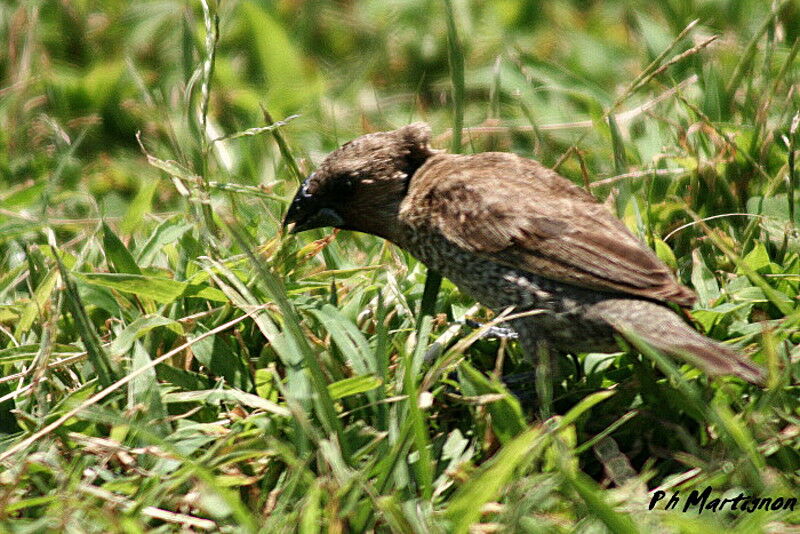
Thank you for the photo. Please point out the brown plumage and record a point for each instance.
(511, 232)
(518, 213)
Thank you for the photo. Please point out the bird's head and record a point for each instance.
(360, 185)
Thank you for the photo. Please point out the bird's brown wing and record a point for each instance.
(518, 213)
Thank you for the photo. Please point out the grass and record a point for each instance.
(172, 361)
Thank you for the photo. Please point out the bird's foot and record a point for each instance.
(499, 332)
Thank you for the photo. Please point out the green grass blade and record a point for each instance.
(486, 484)
(421, 437)
(507, 417)
(296, 338)
(103, 367)
(117, 254)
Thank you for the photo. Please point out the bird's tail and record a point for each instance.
(661, 328)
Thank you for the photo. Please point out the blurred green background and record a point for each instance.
(91, 74)
(332, 409)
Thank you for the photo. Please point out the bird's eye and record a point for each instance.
(343, 186)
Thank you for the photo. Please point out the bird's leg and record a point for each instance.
(540, 353)
(544, 378)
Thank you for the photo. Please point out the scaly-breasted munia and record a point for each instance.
(510, 232)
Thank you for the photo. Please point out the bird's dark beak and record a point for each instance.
(306, 212)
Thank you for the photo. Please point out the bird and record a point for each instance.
(510, 232)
